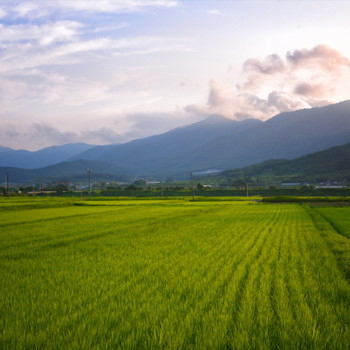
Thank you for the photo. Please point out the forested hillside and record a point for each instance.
(331, 164)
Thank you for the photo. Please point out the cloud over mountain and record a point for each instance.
(114, 70)
(39, 134)
(305, 78)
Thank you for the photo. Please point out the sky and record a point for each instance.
(112, 71)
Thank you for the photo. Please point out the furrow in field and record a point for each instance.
(252, 317)
(61, 235)
(187, 303)
(34, 217)
(216, 297)
(310, 313)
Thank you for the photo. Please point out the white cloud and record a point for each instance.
(110, 28)
(35, 88)
(2, 13)
(37, 9)
(28, 8)
(213, 12)
(306, 78)
(109, 44)
(21, 55)
(28, 46)
(223, 101)
(160, 46)
(115, 6)
(119, 128)
(43, 34)
(40, 135)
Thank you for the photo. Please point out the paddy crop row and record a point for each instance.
(179, 275)
(339, 219)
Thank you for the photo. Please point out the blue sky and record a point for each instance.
(111, 71)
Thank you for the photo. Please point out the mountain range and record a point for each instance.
(214, 143)
(169, 152)
(70, 171)
(220, 143)
(42, 158)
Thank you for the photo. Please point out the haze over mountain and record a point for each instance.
(220, 143)
(44, 157)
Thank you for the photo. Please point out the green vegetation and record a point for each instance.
(132, 190)
(140, 182)
(171, 274)
(333, 164)
(305, 199)
(338, 217)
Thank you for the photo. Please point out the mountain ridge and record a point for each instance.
(41, 158)
(65, 171)
(154, 153)
(287, 135)
(331, 164)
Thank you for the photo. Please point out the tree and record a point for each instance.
(241, 182)
(61, 188)
(132, 187)
(113, 185)
(200, 187)
(238, 183)
(140, 182)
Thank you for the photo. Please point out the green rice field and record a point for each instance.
(338, 217)
(173, 274)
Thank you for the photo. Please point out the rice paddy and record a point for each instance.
(338, 217)
(172, 274)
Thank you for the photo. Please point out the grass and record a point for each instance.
(20, 203)
(308, 199)
(175, 274)
(338, 217)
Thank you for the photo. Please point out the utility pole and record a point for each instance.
(192, 185)
(162, 190)
(33, 190)
(89, 173)
(246, 186)
(8, 185)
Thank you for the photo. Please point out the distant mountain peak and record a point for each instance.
(217, 118)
